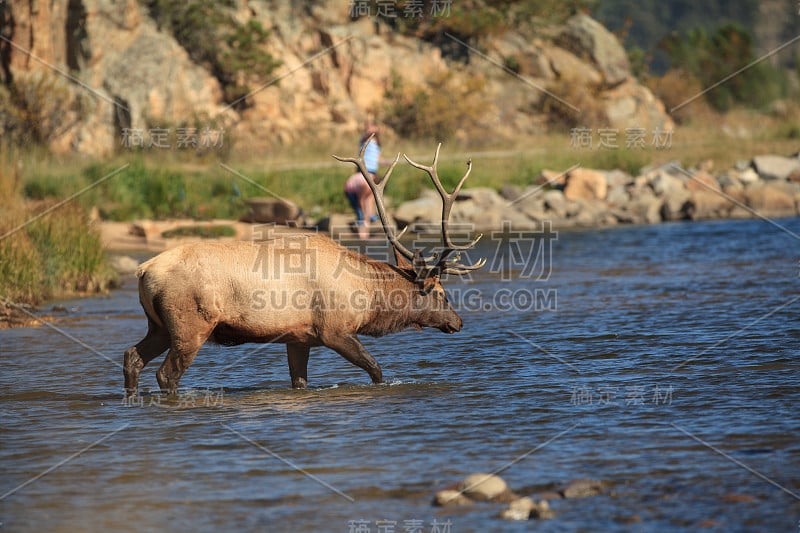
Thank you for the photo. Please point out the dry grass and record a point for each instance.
(56, 254)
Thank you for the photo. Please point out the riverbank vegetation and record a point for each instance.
(42, 255)
(162, 184)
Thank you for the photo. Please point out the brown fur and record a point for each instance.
(238, 292)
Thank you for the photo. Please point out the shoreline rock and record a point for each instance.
(588, 198)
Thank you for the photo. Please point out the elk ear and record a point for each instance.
(402, 262)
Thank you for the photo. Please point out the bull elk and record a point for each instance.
(238, 292)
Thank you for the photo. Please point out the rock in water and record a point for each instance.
(483, 487)
(450, 497)
(583, 488)
(525, 509)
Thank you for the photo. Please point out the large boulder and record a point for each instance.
(618, 196)
(426, 209)
(586, 184)
(644, 208)
(775, 167)
(567, 66)
(769, 199)
(673, 191)
(590, 40)
(702, 181)
(483, 487)
(704, 204)
(529, 56)
(271, 211)
(666, 184)
(555, 201)
(526, 508)
(483, 210)
(675, 204)
(591, 213)
(531, 203)
(631, 105)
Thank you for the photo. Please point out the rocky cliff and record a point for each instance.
(112, 67)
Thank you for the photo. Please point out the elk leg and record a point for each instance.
(136, 357)
(180, 356)
(351, 349)
(298, 364)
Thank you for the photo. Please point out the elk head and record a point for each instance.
(429, 298)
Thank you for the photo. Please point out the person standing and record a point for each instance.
(356, 187)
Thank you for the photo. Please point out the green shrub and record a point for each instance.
(716, 59)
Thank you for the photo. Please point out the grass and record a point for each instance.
(163, 184)
(55, 255)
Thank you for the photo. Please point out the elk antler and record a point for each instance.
(423, 266)
(377, 192)
(443, 264)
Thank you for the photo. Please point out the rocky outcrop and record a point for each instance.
(127, 72)
(334, 74)
(590, 40)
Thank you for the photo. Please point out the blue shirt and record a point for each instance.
(371, 156)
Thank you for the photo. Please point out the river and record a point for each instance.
(662, 360)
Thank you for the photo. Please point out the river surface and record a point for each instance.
(663, 360)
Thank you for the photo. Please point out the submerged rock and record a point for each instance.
(451, 497)
(526, 508)
(483, 487)
(583, 488)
